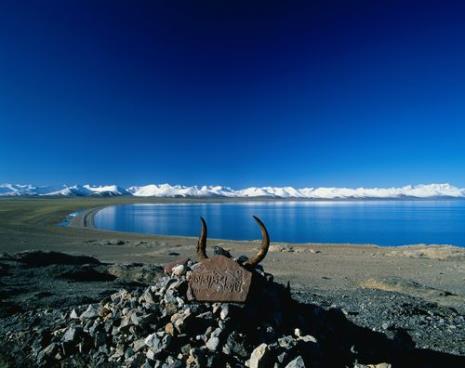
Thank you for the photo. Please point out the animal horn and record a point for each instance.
(202, 242)
(264, 247)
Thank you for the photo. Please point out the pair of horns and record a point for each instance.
(202, 244)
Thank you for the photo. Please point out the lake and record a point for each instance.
(390, 222)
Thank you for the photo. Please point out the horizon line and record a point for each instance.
(442, 190)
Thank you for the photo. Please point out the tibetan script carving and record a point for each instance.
(219, 279)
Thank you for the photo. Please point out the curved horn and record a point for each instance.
(202, 242)
(264, 247)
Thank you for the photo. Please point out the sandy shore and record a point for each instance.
(432, 272)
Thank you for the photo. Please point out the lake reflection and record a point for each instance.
(380, 222)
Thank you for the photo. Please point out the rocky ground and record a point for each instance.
(61, 310)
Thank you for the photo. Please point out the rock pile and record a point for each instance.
(158, 327)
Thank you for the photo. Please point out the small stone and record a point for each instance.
(49, 351)
(171, 362)
(235, 345)
(179, 320)
(156, 343)
(148, 297)
(168, 268)
(72, 334)
(224, 311)
(128, 353)
(169, 329)
(216, 307)
(138, 345)
(92, 311)
(213, 343)
(125, 324)
(282, 357)
(296, 363)
(147, 364)
(150, 355)
(216, 332)
(135, 319)
(196, 358)
(286, 342)
(179, 270)
(308, 338)
(73, 314)
(258, 357)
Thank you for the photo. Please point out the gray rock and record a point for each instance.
(282, 357)
(171, 362)
(216, 332)
(148, 297)
(147, 364)
(308, 338)
(72, 334)
(286, 342)
(138, 345)
(73, 314)
(158, 343)
(258, 358)
(224, 311)
(235, 345)
(213, 343)
(92, 311)
(179, 270)
(50, 349)
(296, 363)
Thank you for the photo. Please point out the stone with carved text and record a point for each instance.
(219, 279)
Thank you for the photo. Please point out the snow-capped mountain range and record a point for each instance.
(172, 191)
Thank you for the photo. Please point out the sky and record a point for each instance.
(300, 93)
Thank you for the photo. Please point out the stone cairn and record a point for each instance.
(159, 327)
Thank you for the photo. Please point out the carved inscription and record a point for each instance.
(219, 279)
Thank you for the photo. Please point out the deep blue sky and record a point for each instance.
(302, 93)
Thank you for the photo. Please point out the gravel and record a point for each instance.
(154, 325)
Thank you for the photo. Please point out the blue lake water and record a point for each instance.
(393, 222)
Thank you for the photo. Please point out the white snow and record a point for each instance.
(170, 191)
(106, 189)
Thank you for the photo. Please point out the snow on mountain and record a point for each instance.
(171, 191)
(166, 190)
(106, 190)
(9, 190)
(15, 189)
(276, 192)
(409, 191)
